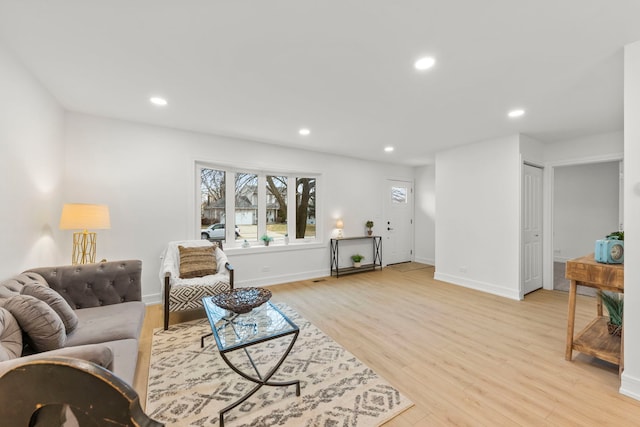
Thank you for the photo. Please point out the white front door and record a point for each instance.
(531, 228)
(398, 224)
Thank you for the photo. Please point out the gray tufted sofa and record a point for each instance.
(106, 299)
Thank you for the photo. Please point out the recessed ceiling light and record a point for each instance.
(424, 63)
(388, 149)
(158, 101)
(516, 113)
(304, 131)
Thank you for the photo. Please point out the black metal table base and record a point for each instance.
(259, 379)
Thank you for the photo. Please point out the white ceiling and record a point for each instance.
(263, 69)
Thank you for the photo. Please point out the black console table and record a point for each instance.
(376, 242)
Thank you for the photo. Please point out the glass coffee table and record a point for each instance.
(235, 332)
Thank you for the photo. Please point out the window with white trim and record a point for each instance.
(260, 205)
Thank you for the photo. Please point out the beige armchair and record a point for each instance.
(184, 290)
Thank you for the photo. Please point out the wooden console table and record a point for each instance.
(376, 255)
(594, 340)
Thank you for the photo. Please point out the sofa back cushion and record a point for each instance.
(44, 328)
(94, 285)
(10, 336)
(55, 301)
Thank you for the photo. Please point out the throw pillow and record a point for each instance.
(10, 336)
(197, 261)
(44, 328)
(55, 301)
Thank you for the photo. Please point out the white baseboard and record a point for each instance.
(152, 299)
(282, 278)
(263, 281)
(630, 386)
(478, 285)
(428, 261)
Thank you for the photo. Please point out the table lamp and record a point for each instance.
(340, 226)
(81, 216)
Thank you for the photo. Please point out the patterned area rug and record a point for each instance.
(189, 385)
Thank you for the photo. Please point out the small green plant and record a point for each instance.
(357, 258)
(266, 239)
(369, 224)
(615, 307)
(616, 235)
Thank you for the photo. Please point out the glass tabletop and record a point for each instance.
(232, 331)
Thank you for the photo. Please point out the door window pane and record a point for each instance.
(246, 207)
(398, 194)
(276, 206)
(212, 204)
(305, 208)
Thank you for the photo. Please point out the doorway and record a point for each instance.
(586, 207)
(398, 245)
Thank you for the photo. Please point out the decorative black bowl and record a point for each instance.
(241, 300)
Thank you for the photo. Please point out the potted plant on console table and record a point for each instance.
(369, 225)
(356, 260)
(615, 307)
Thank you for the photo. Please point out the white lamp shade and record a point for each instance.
(81, 216)
(339, 224)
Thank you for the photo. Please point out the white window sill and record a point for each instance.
(272, 248)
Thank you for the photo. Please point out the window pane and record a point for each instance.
(305, 208)
(398, 194)
(276, 206)
(246, 207)
(212, 204)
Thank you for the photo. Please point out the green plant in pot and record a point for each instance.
(369, 225)
(357, 258)
(615, 307)
(266, 239)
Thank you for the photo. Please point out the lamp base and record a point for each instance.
(84, 248)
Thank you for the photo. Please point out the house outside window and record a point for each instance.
(258, 203)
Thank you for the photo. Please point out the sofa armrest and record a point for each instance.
(100, 354)
(93, 285)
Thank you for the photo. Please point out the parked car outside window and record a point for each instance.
(216, 232)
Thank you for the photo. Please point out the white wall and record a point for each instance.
(146, 175)
(581, 150)
(31, 127)
(585, 207)
(631, 375)
(478, 216)
(425, 214)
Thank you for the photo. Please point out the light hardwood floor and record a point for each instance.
(463, 357)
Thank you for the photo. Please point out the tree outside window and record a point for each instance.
(212, 201)
(305, 208)
(276, 206)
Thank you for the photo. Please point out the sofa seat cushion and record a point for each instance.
(107, 323)
(10, 336)
(55, 301)
(43, 327)
(125, 358)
